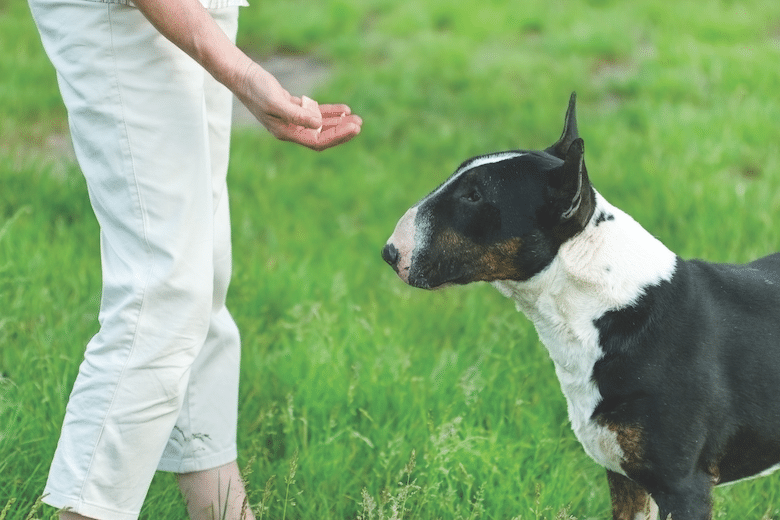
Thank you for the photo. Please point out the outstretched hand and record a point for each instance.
(298, 120)
(337, 125)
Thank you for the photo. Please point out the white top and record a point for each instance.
(208, 4)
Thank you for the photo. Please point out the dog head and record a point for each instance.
(501, 216)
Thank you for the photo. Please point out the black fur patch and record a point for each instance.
(603, 217)
(688, 363)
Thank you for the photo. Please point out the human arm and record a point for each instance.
(189, 26)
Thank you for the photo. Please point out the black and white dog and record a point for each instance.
(670, 367)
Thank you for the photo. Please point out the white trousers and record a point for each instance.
(158, 387)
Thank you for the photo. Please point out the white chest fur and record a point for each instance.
(605, 267)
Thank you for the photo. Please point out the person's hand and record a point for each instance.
(298, 120)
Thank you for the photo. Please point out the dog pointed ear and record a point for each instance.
(571, 177)
(570, 133)
(570, 189)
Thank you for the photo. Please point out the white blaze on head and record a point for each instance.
(475, 163)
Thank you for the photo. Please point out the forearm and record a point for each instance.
(190, 27)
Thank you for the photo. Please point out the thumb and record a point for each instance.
(307, 114)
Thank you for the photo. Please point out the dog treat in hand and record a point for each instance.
(310, 103)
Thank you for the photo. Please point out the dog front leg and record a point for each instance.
(630, 501)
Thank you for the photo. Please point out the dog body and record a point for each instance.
(670, 368)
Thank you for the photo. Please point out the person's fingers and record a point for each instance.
(324, 139)
(329, 122)
(335, 110)
(337, 135)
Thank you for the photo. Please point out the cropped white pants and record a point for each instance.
(158, 387)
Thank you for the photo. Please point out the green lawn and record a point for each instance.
(432, 405)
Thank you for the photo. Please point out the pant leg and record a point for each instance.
(205, 433)
(137, 113)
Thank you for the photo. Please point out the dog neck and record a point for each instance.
(607, 266)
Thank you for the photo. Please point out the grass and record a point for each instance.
(401, 403)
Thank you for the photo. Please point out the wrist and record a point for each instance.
(242, 77)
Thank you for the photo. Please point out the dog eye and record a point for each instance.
(473, 196)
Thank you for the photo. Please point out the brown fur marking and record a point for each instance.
(499, 261)
(487, 262)
(631, 441)
(629, 499)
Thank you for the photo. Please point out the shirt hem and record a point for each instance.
(208, 4)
